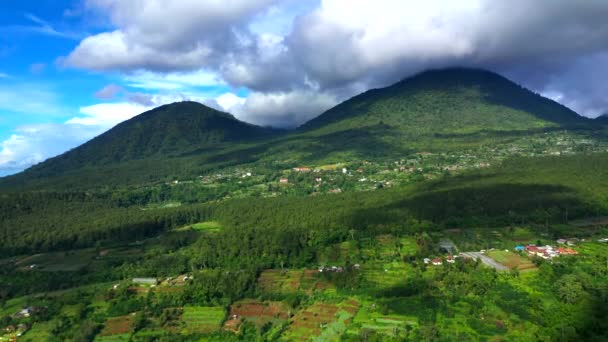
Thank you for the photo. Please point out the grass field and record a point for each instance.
(202, 319)
(369, 317)
(208, 226)
(512, 260)
(380, 276)
(58, 261)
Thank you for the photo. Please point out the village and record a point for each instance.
(288, 177)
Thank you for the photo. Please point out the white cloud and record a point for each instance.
(281, 109)
(107, 114)
(229, 100)
(3, 75)
(172, 81)
(163, 36)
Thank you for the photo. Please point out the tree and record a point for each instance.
(569, 289)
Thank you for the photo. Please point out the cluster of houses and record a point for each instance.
(439, 261)
(546, 252)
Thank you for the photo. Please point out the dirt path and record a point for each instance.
(485, 259)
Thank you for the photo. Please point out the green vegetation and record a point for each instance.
(202, 319)
(341, 230)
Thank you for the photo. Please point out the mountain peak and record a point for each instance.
(447, 101)
(166, 131)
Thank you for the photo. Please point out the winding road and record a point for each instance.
(485, 259)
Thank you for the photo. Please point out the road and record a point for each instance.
(485, 259)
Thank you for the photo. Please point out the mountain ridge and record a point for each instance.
(442, 91)
(442, 109)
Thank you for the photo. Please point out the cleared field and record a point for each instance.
(208, 226)
(311, 281)
(118, 326)
(324, 321)
(202, 319)
(58, 261)
(256, 312)
(512, 260)
(369, 317)
(279, 281)
(385, 275)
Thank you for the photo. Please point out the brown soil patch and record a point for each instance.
(269, 310)
(118, 325)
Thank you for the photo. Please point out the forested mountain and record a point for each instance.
(449, 101)
(167, 131)
(441, 110)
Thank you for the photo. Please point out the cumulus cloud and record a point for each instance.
(281, 109)
(165, 36)
(341, 47)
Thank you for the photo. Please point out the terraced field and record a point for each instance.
(202, 319)
(279, 281)
(321, 321)
(118, 326)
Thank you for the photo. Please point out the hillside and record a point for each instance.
(436, 111)
(448, 101)
(167, 131)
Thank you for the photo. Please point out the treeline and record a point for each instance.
(541, 191)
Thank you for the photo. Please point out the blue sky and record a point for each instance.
(72, 69)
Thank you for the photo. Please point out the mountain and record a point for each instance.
(441, 110)
(169, 130)
(165, 131)
(447, 101)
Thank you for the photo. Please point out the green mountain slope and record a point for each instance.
(448, 101)
(167, 131)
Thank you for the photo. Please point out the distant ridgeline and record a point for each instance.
(76, 198)
(441, 110)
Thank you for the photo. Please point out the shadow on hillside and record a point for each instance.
(493, 205)
(364, 142)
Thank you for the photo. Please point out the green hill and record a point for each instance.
(448, 101)
(165, 132)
